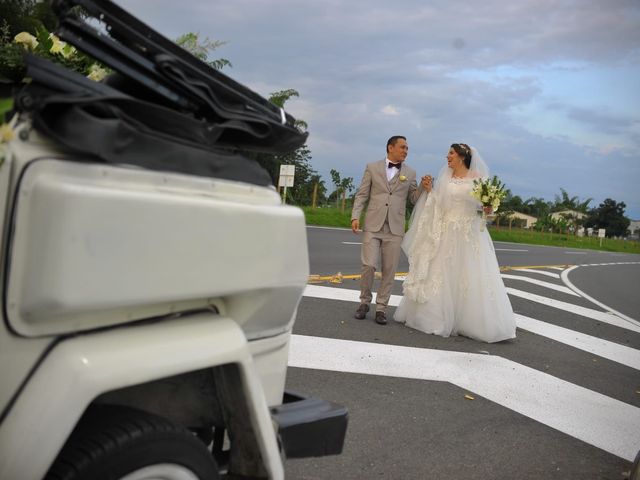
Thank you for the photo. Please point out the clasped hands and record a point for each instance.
(427, 182)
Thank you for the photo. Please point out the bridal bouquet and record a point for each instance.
(489, 192)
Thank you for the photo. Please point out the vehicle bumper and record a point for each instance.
(310, 427)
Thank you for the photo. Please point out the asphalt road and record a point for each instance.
(562, 400)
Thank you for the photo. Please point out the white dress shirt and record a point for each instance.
(391, 172)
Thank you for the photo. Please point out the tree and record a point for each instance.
(512, 203)
(306, 176)
(335, 178)
(610, 216)
(346, 185)
(564, 202)
(537, 206)
(201, 49)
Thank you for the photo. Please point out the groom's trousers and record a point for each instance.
(386, 246)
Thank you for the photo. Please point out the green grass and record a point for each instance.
(333, 217)
(328, 217)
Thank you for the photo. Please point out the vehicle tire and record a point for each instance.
(120, 443)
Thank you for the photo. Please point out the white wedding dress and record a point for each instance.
(454, 285)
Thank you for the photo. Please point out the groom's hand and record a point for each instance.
(355, 225)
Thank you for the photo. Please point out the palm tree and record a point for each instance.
(564, 202)
(537, 206)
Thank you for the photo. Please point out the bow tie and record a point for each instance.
(392, 165)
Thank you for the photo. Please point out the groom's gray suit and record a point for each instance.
(383, 224)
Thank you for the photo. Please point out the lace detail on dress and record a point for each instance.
(458, 180)
(420, 284)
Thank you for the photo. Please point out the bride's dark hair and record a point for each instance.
(464, 151)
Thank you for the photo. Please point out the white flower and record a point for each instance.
(27, 40)
(485, 199)
(58, 46)
(96, 72)
(6, 133)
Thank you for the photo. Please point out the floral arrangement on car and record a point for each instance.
(46, 45)
(489, 192)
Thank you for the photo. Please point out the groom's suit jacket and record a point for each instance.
(385, 199)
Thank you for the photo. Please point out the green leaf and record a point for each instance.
(44, 42)
(6, 105)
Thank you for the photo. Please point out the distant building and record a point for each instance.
(634, 229)
(568, 214)
(528, 220)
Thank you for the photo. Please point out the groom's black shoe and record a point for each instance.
(381, 318)
(361, 312)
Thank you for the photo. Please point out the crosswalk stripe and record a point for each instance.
(535, 281)
(578, 310)
(589, 416)
(594, 345)
(615, 352)
(538, 271)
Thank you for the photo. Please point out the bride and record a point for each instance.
(454, 286)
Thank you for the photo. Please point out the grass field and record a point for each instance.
(333, 217)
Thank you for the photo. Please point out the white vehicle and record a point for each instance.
(149, 281)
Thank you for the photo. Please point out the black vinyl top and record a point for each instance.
(162, 108)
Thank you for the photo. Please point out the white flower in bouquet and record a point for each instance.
(490, 193)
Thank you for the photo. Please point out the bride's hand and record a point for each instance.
(488, 209)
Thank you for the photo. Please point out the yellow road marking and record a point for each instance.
(339, 277)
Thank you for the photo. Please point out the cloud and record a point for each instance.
(390, 110)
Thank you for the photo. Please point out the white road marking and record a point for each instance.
(540, 283)
(602, 348)
(352, 243)
(565, 279)
(317, 227)
(605, 317)
(556, 268)
(589, 416)
(615, 352)
(538, 271)
(345, 294)
(577, 253)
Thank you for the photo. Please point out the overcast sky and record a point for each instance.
(548, 91)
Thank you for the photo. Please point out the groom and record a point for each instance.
(384, 190)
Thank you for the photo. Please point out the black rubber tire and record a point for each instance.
(110, 442)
